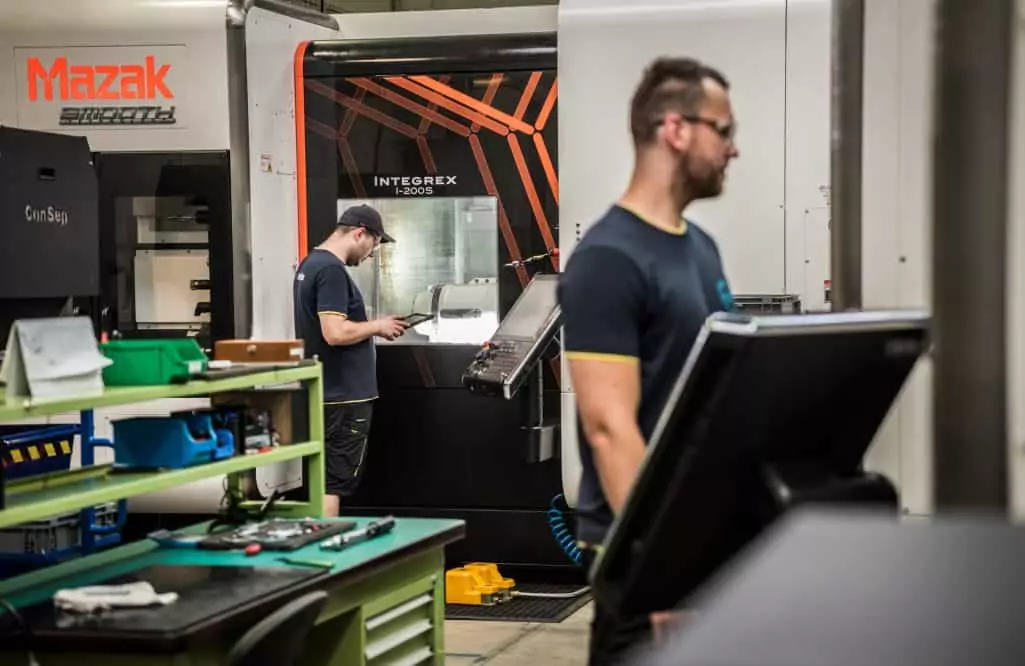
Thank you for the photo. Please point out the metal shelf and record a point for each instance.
(65, 492)
(28, 408)
(39, 497)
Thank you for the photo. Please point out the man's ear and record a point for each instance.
(678, 133)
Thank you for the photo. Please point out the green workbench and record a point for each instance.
(386, 599)
(386, 596)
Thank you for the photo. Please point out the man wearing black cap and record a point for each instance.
(331, 320)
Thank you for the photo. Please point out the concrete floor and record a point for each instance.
(518, 643)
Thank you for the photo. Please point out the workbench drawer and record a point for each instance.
(402, 635)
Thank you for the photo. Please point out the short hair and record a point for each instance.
(669, 84)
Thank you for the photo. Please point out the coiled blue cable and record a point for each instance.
(560, 530)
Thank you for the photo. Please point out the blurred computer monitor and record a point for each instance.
(768, 413)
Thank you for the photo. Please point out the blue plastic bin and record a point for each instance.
(170, 442)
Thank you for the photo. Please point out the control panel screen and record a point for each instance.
(531, 310)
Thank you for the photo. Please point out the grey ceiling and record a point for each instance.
(342, 6)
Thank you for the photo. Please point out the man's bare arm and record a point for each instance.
(608, 393)
(339, 331)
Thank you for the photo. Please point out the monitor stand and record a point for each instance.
(795, 483)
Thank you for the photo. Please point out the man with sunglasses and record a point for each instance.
(331, 319)
(634, 295)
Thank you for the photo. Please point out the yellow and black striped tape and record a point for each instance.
(33, 452)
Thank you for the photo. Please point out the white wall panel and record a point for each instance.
(807, 185)
(1016, 277)
(271, 42)
(603, 49)
(896, 219)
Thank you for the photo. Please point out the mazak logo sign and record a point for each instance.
(112, 93)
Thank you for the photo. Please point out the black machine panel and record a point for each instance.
(48, 216)
(413, 126)
(505, 361)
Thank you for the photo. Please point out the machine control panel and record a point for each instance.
(505, 361)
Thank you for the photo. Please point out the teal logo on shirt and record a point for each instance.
(725, 295)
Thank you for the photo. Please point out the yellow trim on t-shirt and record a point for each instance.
(333, 313)
(350, 402)
(676, 231)
(598, 356)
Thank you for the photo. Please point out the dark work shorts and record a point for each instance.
(614, 641)
(346, 430)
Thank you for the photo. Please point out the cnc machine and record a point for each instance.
(453, 140)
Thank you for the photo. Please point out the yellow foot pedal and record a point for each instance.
(466, 587)
(488, 571)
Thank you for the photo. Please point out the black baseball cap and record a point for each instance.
(366, 217)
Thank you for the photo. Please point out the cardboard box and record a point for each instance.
(259, 351)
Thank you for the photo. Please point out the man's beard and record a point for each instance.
(355, 262)
(708, 187)
(702, 185)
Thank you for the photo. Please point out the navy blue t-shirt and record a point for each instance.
(323, 286)
(639, 293)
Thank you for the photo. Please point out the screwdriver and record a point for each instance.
(320, 564)
(376, 528)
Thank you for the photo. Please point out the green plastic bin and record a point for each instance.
(152, 362)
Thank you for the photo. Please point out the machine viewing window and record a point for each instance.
(444, 263)
(165, 240)
(163, 247)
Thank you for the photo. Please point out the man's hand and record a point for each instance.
(664, 624)
(390, 328)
